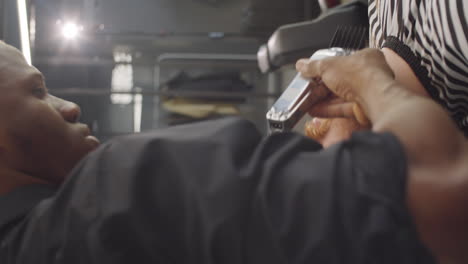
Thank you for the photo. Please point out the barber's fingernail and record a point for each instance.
(316, 121)
(301, 64)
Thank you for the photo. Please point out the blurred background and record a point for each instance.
(139, 65)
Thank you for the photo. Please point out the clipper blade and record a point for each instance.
(302, 94)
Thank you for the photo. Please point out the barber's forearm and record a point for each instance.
(437, 175)
(424, 128)
(437, 178)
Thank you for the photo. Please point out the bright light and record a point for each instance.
(71, 30)
(122, 78)
(24, 30)
(137, 111)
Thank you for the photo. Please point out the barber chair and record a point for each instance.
(294, 41)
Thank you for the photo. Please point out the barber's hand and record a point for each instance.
(349, 78)
(329, 131)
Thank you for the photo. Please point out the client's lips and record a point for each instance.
(94, 142)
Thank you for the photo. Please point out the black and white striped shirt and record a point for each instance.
(432, 36)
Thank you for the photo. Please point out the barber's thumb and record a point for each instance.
(302, 66)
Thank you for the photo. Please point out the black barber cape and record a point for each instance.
(217, 192)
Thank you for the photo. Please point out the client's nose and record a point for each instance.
(70, 111)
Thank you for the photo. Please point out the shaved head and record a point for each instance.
(12, 61)
(39, 133)
(10, 51)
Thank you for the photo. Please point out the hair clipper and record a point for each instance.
(302, 94)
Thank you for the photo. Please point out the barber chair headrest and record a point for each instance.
(294, 41)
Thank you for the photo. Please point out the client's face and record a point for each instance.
(334, 130)
(39, 133)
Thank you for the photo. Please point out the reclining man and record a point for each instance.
(217, 192)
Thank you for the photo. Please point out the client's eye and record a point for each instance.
(39, 92)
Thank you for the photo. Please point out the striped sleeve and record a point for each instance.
(431, 35)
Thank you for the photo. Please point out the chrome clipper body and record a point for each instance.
(299, 96)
